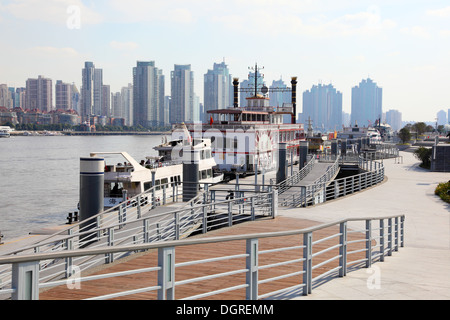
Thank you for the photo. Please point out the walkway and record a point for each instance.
(421, 270)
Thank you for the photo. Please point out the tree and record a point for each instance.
(420, 127)
(405, 135)
(424, 155)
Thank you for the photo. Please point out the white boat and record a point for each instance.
(246, 138)
(5, 132)
(356, 132)
(137, 177)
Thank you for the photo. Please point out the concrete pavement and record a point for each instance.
(420, 270)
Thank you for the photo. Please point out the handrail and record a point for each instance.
(179, 243)
(391, 237)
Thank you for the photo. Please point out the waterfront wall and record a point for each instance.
(440, 158)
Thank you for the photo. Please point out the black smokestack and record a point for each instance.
(294, 99)
(236, 92)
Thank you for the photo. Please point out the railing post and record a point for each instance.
(274, 203)
(145, 230)
(110, 256)
(69, 260)
(138, 208)
(252, 269)
(402, 231)
(368, 243)
(230, 213)
(252, 208)
(120, 216)
(343, 249)
(307, 263)
(396, 234)
(166, 273)
(382, 245)
(390, 237)
(204, 219)
(25, 280)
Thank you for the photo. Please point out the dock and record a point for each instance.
(418, 271)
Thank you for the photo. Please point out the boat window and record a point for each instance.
(164, 181)
(204, 174)
(209, 174)
(147, 185)
(157, 185)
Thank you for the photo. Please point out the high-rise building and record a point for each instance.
(279, 97)
(250, 84)
(5, 97)
(63, 95)
(441, 118)
(116, 105)
(91, 91)
(323, 104)
(127, 104)
(218, 88)
(39, 94)
(182, 94)
(76, 99)
(148, 95)
(367, 105)
(106, 101)
(394, 119)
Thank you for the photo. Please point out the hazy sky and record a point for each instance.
(403, 45)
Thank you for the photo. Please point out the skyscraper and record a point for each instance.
(127, 104)
(148, 95)
(39, 94)
(63, 95)
(91, 91)
(394, 119)
(182, 94)
(323, 104)
(367, 105)
(441, 118)
(218, 88)
(278, 98)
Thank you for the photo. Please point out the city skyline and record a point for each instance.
(401, 45)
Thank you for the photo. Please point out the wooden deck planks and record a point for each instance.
(200, 252)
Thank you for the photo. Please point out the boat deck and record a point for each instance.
(143, 260)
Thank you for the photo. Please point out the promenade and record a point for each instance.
(420, 270)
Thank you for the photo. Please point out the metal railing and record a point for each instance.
(128, 225)
(326, 189)
(306, 261)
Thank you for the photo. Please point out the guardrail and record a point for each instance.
(325, 189)
(120, 227)
(309, 262)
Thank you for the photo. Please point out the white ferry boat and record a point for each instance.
(355, 132)
(245, 139)
(137, 177)
(5, 132)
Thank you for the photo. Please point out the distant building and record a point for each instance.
(63, 95)
(127, 104)
(323, 104)
(218, 88)
(91, 91)
(148, 95)
(5, 97)
(182, 95)
(278, 98)
(394, 119)
(106, 101)
(39, 94)
(441, 118)
(367, 105)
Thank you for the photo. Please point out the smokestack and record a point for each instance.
(294, 99)
(236, 92)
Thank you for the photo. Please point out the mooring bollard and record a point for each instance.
(1, 237)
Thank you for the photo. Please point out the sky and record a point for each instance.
(403, 45)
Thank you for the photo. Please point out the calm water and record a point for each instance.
(39, 176)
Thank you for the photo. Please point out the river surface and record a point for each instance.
(40, 176)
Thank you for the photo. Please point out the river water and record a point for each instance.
(40, 176)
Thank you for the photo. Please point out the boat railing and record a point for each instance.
(348, 245)
(133, 222)
(327, 188)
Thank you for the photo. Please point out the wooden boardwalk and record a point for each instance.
(198, 252)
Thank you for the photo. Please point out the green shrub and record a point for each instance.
(443, 191)
(424, 155)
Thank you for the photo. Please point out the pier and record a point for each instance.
(407, 194)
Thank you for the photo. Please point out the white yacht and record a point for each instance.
(353, 133)
(137, 177)
(5, 132)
